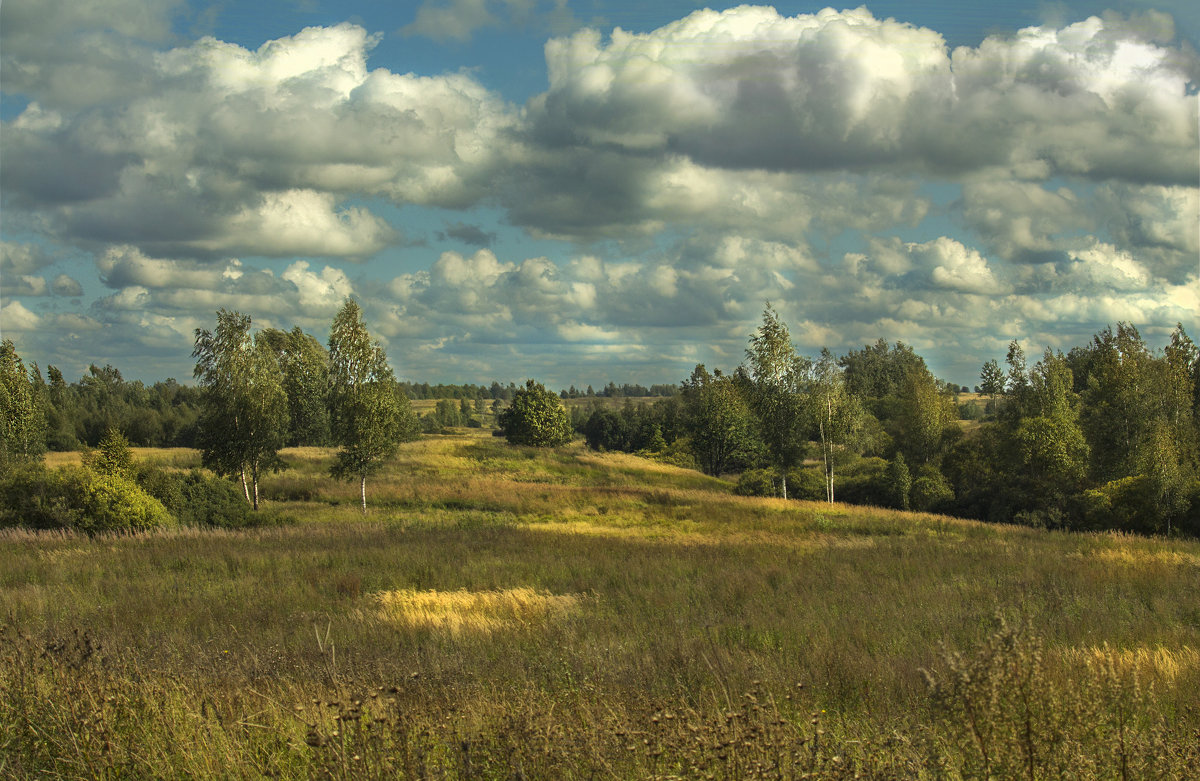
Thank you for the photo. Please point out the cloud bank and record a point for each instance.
(858, 172)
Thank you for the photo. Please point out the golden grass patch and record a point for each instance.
(1160, 662)
(1133, 557)
(476, 612)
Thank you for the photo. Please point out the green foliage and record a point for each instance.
(113, 457)
(22, 422)
(991, 379)
(774, 380)
(446, 414)
(305, 366)
(198, 498)
(370, 417)
(722, 434)
(803, 484)
(863, 481)
(79, 499)
(926, 424)
(841, 422)
(757, 482)
(899, 483)
(81, 413)
(535, 417)
(244, 417)
(879, 372)
(634, 428)
(931, 491)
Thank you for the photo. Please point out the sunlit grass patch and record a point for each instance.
(1141, 557)
(177, 457)
(478, 612)
(1167, 664)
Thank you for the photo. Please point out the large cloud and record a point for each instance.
(845, 90)
(227, 151)
(855, 171)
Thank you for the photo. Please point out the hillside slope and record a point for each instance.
(503, 611)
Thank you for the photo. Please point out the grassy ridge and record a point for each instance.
(504, 612)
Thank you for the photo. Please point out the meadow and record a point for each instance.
(503, 612)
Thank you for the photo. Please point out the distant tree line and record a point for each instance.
(614, 391)
(1106, 436)
(1103, 437)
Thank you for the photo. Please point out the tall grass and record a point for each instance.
(504, 612)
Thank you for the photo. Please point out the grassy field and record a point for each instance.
(507, 613)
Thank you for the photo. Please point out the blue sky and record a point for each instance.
(580, 192)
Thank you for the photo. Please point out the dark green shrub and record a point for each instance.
(757, 482)
(536, 417)
(80, 499)
(31, 496)
(863, 481)
(898, 483)
(166, 487)
(214, 501)
(805, 484)
(930, 491)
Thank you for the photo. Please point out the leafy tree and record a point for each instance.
(930, 491)
(877, 371)
(446, 414)
(927, 419)
(243, 420)
(839, 416)
(22, 422)
(774, 378)
(991, 379)
(604, 429)
(720, 427)
(899, 482)
(1016, 384)
(305, 366)
(113, 457)
(535, 417)
(370, 417)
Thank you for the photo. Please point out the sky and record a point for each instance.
(581, 192)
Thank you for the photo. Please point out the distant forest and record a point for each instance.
(1105, 436)
(78, 414)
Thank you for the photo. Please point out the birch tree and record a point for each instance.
(839, 418)
(22, 424)
(243, 416)
(718, 421)
(369, 417)
(775, 377)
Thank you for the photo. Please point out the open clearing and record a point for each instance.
(502, 612)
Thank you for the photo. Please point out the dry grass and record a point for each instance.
(477, 612)
(453, 615)
(1148, 663)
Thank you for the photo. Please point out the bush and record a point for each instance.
(757, 482)
(930, 491)
(806, 484)
(197, 498)
(80, 499)
(863, 481)
(213, 501)
(898, 483)
(536, 417)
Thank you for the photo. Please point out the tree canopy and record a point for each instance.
(369, 416)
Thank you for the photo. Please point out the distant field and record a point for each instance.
(502, 612)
